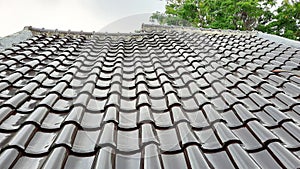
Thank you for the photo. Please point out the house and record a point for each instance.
(163, 98)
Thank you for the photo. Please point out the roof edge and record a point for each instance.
(155, 27)
(35, 30)
(9, 40)
(279, 39)
(56, 31)
(145, 29)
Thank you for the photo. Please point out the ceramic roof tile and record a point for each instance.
(155, 99)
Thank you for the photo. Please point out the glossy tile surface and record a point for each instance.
(158, 99)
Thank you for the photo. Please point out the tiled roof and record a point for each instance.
(156, 99)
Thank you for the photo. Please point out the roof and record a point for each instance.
(171, 98)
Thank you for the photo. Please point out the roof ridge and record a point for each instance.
(151, 27)
(144, 28)
(70, 32)
(43, 30)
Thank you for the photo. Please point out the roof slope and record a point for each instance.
(156, 99)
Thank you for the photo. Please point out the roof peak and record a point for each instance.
(144, 28)
(56, 31)
(153, 27)
(148, 28)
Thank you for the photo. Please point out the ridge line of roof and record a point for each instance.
(149, 27)
(70, 32)
(34, 29)
(279, 39)
(145, 29)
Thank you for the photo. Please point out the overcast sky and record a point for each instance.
(86, 15)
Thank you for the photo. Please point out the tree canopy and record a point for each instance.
(263, 15)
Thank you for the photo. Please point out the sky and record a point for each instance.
(77, 15)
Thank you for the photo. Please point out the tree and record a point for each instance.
(165, 19)
(286, 22)
(234, 14)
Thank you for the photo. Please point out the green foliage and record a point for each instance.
(286, 22)
(164, 19)
(234, 14)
